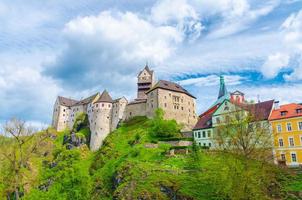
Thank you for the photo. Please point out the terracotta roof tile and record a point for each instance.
(290, 109)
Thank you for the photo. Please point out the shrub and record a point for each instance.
(163, 128)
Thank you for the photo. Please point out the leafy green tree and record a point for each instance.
(163, 128)
(18, 151)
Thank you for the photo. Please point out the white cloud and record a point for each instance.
(178, 13)
(291, 31)
(274, 64)
(136, 38)
(24, 92)
(236, 15)
(286, 93)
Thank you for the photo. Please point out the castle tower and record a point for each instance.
(145, 81)
(100, 122)
(222, 90)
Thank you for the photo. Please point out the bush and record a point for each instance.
(81, 121)
(163, 128)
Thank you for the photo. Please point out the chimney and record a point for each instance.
(276, 105)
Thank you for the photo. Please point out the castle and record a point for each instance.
(105, 114)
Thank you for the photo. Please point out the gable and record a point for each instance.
(226, 107)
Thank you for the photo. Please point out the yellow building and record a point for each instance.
(286, 123)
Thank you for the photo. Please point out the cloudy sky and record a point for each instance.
(75, 48)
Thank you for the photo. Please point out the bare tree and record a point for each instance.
(244, 134)
(17, 148)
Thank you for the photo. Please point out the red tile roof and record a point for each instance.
(290, 109)
(205, 119)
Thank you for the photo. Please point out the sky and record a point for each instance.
(76, 48)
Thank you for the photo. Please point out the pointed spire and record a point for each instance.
(147, 67)
(222, 89)
(105, 97)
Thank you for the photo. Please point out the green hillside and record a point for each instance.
(134, 164)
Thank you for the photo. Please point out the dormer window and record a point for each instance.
(283, 113)
(299, 110)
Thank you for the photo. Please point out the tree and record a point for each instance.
(243, 133)
(163, 128)
(18, 147)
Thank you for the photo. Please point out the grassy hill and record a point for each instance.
(133, 164)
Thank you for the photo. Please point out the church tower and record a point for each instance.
(222, 90)
(145, 81)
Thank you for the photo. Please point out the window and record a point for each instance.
(291, 142)
(300, 126)
(63, 110)
(210, 144)
(109, 105)
(299, 110)
(209, 133)
(204, 144)
(199, 135)
(280, 142)
(283, 113)
(289, 127)
(294, 157)
(279, 128)
(203, 134)
(165, 104)
(282, 155)
(102, 105)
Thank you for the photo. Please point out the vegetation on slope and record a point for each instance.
(132, 164)
(123, 171)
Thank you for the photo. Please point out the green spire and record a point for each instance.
(222, 90)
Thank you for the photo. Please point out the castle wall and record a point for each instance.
(74, 111)
(135, 109)
(61, 116)
(118, 111)
(176, 105)
(100, 125)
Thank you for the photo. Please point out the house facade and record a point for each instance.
(227, 107)
(286, 125)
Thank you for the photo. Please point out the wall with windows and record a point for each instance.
(204, 137)
(61, 116)
(178, 106)
(118, 111)
(288, 140)
(100, 123)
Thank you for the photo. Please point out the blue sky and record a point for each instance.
(75, 48)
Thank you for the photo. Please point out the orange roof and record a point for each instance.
(288, 111)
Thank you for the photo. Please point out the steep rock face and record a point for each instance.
(71, 141)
